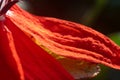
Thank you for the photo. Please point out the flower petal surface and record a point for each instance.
(67, 38)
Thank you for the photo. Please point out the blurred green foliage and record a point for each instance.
(115, 37)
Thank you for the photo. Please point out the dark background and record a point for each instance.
(101, 15)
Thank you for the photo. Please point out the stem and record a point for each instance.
(5, 5)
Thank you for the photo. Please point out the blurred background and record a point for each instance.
(101, 15)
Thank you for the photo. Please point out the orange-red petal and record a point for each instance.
(36, 63)
(67, 38)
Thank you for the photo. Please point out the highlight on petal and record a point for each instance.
(68, 39)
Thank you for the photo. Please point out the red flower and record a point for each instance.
(75, 42)
(22, 59)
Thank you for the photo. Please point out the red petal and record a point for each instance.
(36, 63)
(10, 66)
(68, 39)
